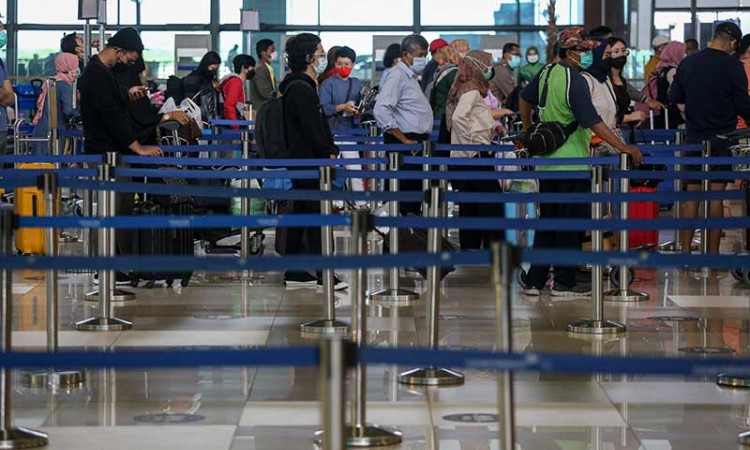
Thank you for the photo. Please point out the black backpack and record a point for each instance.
(270, 130)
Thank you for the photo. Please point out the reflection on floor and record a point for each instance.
(277, 408)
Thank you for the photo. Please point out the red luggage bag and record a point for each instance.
(643, 210)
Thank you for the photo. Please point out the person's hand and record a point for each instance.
(634, 153)
(137, 92)
(654, 104)
(351, 107)
(180, 116)
(636, 116)
(332, 156)
(501, 130)
(149, 151)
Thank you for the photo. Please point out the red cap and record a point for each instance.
(437, 44)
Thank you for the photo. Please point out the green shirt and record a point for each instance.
(529, 72)
(558, 109)
(439, 93)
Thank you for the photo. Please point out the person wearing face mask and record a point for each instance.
(104, 110)
(66, 71)
(330, 66)
(403, 111)
(232, 86)
(471, 122)
(568, 102)
(713, 87)
(604, 97)
(340, 93)
(428, 76)
(263, 84)
(658, 86)
(624, 91)
(308, 136)
(504, 82)
(532, 67)
(658, 44)
(201, 85)
(448, 61)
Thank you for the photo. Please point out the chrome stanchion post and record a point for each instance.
(394, 295)
(597, 325)
(674, 245)
(433, 376)
(332, 395)
(53, 114)
(359, 434)
(428, 149)
(623, 293)
(706, 213)
(112, 160)
(504, 263)
(245, 200)
(51, 378)
(11, 437)
(105, 321)
(328, 326)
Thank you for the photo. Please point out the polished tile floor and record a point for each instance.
(277, 408)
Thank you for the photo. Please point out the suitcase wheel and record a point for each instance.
(134, 282)
(746, 276)
(150, 284)
(614, 276)
(170, 283)
(184, 282)
(737, 274)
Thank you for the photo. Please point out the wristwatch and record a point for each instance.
(165, 117)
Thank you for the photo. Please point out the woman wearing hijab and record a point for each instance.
(471, 122)
(66, 72)
(604, 97)
(330, 66)
(658, 86)
(743, 52)
(202, 85)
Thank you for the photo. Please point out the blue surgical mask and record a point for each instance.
(418, 65)
(515, 61)
(3, 38)
(587, 59)
(321, 67)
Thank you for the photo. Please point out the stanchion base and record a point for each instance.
(55, 379)
(625, 296)
(394, 297)
(68, 239)
(733, 381)
(104, 324)
(606, 327)
(118, 295)
(367, 436)
(22, 438)
(324, 329)
(431, 377)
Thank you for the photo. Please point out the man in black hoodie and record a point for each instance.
(307, 136)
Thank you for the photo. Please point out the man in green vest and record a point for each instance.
(568, 100)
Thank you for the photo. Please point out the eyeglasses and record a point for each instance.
(619, 53)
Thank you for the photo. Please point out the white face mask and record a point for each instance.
(321, 66)
(275, 56)
(532, 59)
(418, 65)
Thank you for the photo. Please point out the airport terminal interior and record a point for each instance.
(647, 349)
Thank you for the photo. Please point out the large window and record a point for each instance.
(175, 11)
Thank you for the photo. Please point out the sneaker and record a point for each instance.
(300, 280)
(121, 279)
(527, 289)
(338, 284)
(579, 290)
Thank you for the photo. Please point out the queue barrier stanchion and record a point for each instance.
(623, 293)
(245, 137)
(674, 244)
(505, 261)
(328, 326)
(597, 325)
(706, 187)
(11, 437)
(112, 161)
(433, 376)
(50, 378)
(394, 295)
(105, 321)
(358, 432)
(333, 362)
(428, 150)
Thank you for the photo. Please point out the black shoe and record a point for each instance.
(121, 279)
(300, 280)
(579, 290)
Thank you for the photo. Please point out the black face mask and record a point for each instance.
(606, 64)
(250, 75)
(619, 62)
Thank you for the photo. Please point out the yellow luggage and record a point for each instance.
(29, 202)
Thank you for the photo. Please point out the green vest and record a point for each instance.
(557, 109)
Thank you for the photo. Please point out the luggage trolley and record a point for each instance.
(742, 150)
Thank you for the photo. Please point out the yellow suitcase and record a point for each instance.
(29, 202)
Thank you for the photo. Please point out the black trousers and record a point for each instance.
(478, 239)
(407, 208)
(296, 237)
(565, 275)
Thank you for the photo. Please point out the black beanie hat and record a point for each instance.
(127, 39)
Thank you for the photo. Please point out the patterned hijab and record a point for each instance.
(470, 77)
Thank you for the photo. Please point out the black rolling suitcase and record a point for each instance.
(163, 242)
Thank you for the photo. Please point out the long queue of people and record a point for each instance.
(583, 89)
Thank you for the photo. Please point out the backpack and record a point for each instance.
(270, 130)
(175, 89)
(545, 138)
(662, 95)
